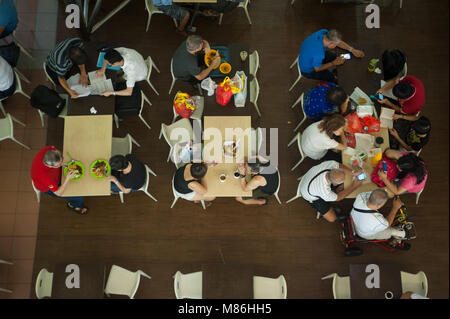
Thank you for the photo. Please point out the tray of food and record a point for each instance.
(76, 166)
(100, 169)
(224, 54)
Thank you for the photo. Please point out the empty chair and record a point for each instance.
(253, 63)
(44, 283)
(242, 5)
(123, 282)
(182, 133)
(298, 138)
(143, 100)
(254, 93)
(48, 76)
(143, 188)
(299, 72)
(188, 285)
(341, 286)
(63, 113)
(7, 129)
(18, 90)
(416, 283)
(175, 195)
(38, 192)
(269, 288)
(151, 9)
(301, 101)
(123, 145)
(150, 66)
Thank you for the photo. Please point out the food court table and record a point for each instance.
(232, 186)
(87, 138)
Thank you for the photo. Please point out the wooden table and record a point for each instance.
(87, 138)
(232, 186)
(390, 280)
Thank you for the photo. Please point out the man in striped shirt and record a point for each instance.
(61, 59)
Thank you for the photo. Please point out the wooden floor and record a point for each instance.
(230, 242)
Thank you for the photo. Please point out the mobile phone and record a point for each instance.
(379, 96)
(346, 56)
(384, 166)
(361, 176)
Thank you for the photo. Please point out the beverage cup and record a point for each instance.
(388, 295)
(243, 55)
(222, 177)
(236, 174)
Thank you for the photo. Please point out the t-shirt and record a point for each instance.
(185, 64)
(315, 144)
(320, 187)
(367, 224)
(134, 66)
(45, 178)
(415, 103)
(135, 179)
(6, 75)
(8, 17)
(407, 133)
(312, 52)
(59, 60)
(409, 181)
(315, 103)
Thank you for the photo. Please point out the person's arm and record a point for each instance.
(66, 87)
(202, 75)
(127, 92)
(357, 53)
(397, 203)
(396, 190)
(100, 72)
(388, 85)
(84, 79)
(198, 188)
(393, 154)
(391, 105)
(394, 133)
(122, 188)
(411, 118)
(61, 189)
(335, 62)
(347, 191)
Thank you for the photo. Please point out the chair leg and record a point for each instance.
(296, 81)
(174, 201)
(293, 63)
(248, 16)
(23, 77)
(160, 133)
(148, 21)
(170, 154)
(299, 124)
(152, 172)
(175, 115)
(121, 197)
(17, 121)
(151, 85)
(220, 18)
(199, 89)
(171, 86)
(318, 215)
(146, 124)
(6, 290)
(134, 141)
(278, 199)
(297, 164)
(116, 120)
(42, 118)
(2, 108)
(175, 22)
(257, 109)
(151, 196)
(20, 143)
(293, 140)
(293, 198)
(23, 49)
(203, 204)
(154, 65)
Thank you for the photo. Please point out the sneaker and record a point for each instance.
(403, 246)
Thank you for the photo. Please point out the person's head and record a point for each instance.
(332, 125)
(411, 164)
(77, 55)
(256, 166)
(403, 90)
(336, 176)
(332, 38)
(393, 64)
(422, 126)
(377, 199)
(53, 158)
(118, 162)
(113, 58)
(198, 170)
(336, 96)
(194, 43)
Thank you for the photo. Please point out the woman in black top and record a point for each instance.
(187, 182)
(128, 174)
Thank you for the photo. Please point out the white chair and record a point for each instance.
(175, 196)
(20, 74)
(183, 124)
(298, 195)
(151, 9)
(292, 2)
(44, 283)
(63, 113)
(298, 138)
(7, 129)
(278, 188)
(241, 5)
(38, 192)
(48, 76)
(341, 286)
(143, 100)
(150, 65)
(299, 72)
(301, 101)
(416, 283)
(18, 90)
(7, 263)
(123, 145)
(269, 288)
(418, 195)
(254, 93)
(22, 48)
(188, 285)
(123, 282)
(173, 76)
(253, 63)
(143, 188)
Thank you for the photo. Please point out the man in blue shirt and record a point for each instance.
(8, 18)
(315, 59)
(175, 12)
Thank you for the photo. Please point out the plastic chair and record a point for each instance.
(253, 63)
(178, 125)
(254, 93)
(20, 74)
(151, 9)
(44, 283)
(7, 129)
(22, 48)
(418, 195)
(341, 286)
(269, 288)
(278, 188)
(123, 145)
(150, 65)
(7, 263)
(18, 90)
(143, 100)
(123, 282)
(48, 76)
(143, 188)
(241, 5)
(196, 115)
(38, 192)
(301, 101)
(298, 137)
(188, 285)
(299, 72)
(176, 196)
(63, 113)
(299, 194)
(416, 283)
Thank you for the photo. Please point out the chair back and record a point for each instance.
(254, 90)
(417, 283)
(44, 283)
(188, 285)
(147, 178)
(171, 69)
(180, 124)
(299, 143)
(6, 127)
(254, 62)
(122, 282)
(44, 65)
(38, 192)
(269, 288)
(149, 63)
(341, 287)
(121, 145)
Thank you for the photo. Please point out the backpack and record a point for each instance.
(47, 100)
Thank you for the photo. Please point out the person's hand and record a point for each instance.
(338, 61)
(383, 101)
(396, 116)
(100, 73)
(397, 203)
(358, 53)
(381, 91)
(382, 175)
(71, 174)
(84, 80)
(107, 93)
(215, 62)
(393, 132)
(357, 182)
(73, 94)
(241, 168)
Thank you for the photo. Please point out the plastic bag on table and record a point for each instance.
(354, 123)
(224, 92)
(372, 124)
(236, 84)
(209, 85)
(183, 104)
(391, 171)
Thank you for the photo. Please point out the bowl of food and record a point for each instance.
(210, 56)
(100, 169)
(76, 166)
(225, 68)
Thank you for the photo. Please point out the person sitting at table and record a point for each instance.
(186, 60)
(412, 173)
(131, 62)
(325, 99)
(409, 133)
(60, 61)
(7, 79)
(174, 11)
(318, 139)
(315, 59)
(188, 182)
(409, 94)
(371, 224)
(394, 69)
(8, 18)
(46, 177)
(128, 174)
(264, 181)
(323, 184)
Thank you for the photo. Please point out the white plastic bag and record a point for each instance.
(209, 85)
(240, 97)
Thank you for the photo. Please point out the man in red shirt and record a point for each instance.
(46, 177)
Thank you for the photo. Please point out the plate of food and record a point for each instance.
(230, 148)
(100, 169)
(210, 56)
(76, 166)
(225, 68)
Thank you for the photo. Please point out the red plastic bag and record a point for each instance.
(224, 92)
(372, 124)
(179, 103)
(391, 171)
(354, 123)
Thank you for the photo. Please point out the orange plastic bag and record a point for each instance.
(372, 124)
(354, 123)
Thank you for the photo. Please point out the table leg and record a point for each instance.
(86, 12)
(194, 15)
(110, 15)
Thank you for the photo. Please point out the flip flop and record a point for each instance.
(267, 201)
(78, 211)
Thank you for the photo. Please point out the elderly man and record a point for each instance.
(315, 59)
(46, 177)
(187, 60)
(370, 224)
(323, 184)
(8, 18)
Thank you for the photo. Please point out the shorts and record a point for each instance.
(256, 194)
(188, 196)
(173, 11)
(321, 206)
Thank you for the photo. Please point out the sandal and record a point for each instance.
(267, 201)
(77, 209)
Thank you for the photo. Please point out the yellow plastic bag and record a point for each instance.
(183, 99)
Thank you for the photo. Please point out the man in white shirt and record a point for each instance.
(369, 223)
(323, 184)
(131, 62)
(7, 79)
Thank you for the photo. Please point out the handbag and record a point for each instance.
(224, 92)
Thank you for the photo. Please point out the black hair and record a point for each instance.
(198, 170)
(118, 162)
(77, 55)
(403, 90)
(411, 164)
(393, 62)
(255, 167)
(336, 96)
(422, 125)
(112, 56)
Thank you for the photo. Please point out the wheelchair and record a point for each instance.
(351, 240)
